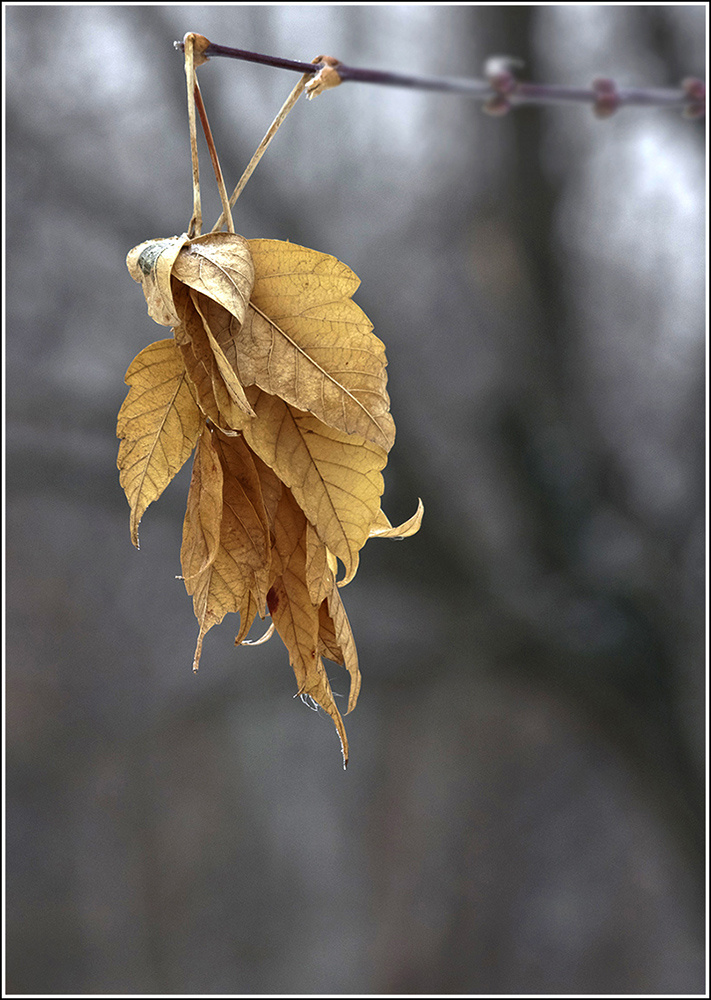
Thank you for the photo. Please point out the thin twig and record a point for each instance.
(499, 92)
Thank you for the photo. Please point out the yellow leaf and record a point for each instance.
(297, 625)
(271, 486)
(151, 264)
(203, 370)
(158, 424)
(327, 638)
(203, 516)
(208, 385)
(305, 340)
(296, 619)
(213, 315)
(237, 577)
(337, 642)
(335, 636)
(319, 572)
(335, 477)
(271, 490)
(218, 265)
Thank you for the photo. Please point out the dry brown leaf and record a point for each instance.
(327, 638)
(271, 486)
(151, 264)
(158, 424)
(203, 516)
(206, 308)
(236, 577)
(334, 477)
(280, 370)
(320, 571)
(215, 399)
(292, 531)
(296, 619)
(305, 340)
(249, 612)
(336, 636)
(220, 266)
(297, 624)
(208, 385)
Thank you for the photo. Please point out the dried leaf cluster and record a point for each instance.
(274, 378)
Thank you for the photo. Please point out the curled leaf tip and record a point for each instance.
(257, 642)
(344, 752)
(383, 529)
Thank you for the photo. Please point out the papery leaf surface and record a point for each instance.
(219, 265)
(158, 424)
(151, 264)
(382, 528)
(213, 315)
(335, 477)
(337, 642)
(215, 399)
(203, 515)
(335, 636)
(305, 340)
(320, 571)
(236, 579)
(248, 613)
(296, 619)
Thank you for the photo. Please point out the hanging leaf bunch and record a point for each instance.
(274, 379)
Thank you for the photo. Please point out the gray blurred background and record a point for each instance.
(524, 810)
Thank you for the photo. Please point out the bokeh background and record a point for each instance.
(524, 809)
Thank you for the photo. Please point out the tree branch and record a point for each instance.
(499, 92)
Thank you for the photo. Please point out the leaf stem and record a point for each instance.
(195, 227)
(226, 214)
(499, 91)
(262, 147)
